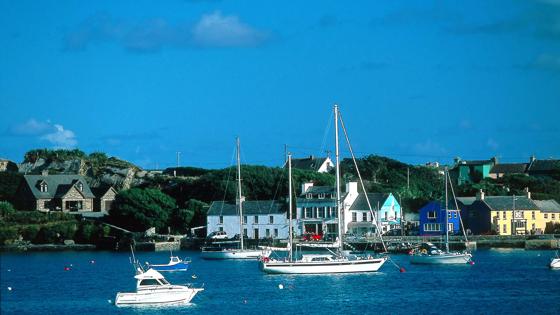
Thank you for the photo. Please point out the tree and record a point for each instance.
(6, 210)
(139, 209)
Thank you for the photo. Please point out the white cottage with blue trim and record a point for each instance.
(387, 210)
(261, 219)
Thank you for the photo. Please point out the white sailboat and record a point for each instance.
(428, 253)
(555, 262)
(217, 251)
(336, 262)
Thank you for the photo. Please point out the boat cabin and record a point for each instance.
(316, 258)
(150, 279)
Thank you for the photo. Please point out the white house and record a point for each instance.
(311, 163)
(261, 219)
(386, 208)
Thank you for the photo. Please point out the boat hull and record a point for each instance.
(157, 296)
(350, 266)
(231, 254)
(555, 263)
(442, 259)
(182, 266)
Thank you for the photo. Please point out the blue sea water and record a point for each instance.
(512, 281)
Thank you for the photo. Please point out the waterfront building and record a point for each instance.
(104, 197)
(471, 171)
(550, 212)
(387, 210)
(433, 218)
(261, 219)
(54, 193)
(312, 163)
(8, 166)
(543, 167)
(316, 209)
(500, 170)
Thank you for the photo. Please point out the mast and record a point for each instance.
(290, 207)
(338, 205)
(446, 217)
(241, 236)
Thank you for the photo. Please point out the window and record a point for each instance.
(74, 205)
(308, 196)
(221, 219)
(80, 186)
(546, 215)
(245, 232)
(308, 212)
(321, 212)
(256, 219)
(450, 227)
(504, 229)
(552, 216)
(244, 219)
(455, 214)
(275, 232)
(256, 234)
(271, 219)
(432, 215)
(432, 227)
(43, 187)
(364, 217)
(533, 226)
(533, 215)
(221, 229)
(149, 282)
(386, 215)
(504, 215)
(449, 214)
(267, 232)
(354, 217)
(520, 224)
(321, 196)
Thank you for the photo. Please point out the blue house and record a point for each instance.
(432, 220)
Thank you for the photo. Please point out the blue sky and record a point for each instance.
(417, 80)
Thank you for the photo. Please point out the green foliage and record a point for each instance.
(7, 234)
(186, 171)
(552, 228)
(9, 183)
(36, 217)
(6, 210)
(139, 209)
(53, 155)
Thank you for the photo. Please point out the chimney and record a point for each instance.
(532, 158)
(311, 157)
(480, 195)
(305, 187)
(527, 192)
(45, 172)
(352, 187)
(494, 160)
(457, 160)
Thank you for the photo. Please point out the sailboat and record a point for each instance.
(428, 253)
(555, 262)
(335, 262)
(216, 250)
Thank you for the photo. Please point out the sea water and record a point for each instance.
(512, 281)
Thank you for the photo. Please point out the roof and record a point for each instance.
(467, 201)
(149, 274)
(320, 190)
(309, 163)
(506, 203)
(475, 162)
(509, 168)
(249, 208)
(57, 185)
(361, 203)
(101, 191)
(544, 165)
(548, 205)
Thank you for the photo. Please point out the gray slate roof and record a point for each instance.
(506, 203)
(544, 165)
(320, 190)
(548, 205)
(361, 203)
(475, 162)
(467, 201)
(57, 185)
(509, 168)
(249, 208)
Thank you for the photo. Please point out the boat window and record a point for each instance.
(163, 281)
(149, 282)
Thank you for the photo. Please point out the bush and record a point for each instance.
(29, 233)
(6, 210)
(8, 234)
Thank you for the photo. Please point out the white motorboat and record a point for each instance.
(175, 264)
(232, 253)
(336, 262)
(153, 289)
(428, 253)
(555, 262)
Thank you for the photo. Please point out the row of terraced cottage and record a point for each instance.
(316, 210)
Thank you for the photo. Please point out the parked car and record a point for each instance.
(218, 235)
(312, 237)
(394, 232)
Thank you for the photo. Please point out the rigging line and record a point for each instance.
(325, 134)
(374, 217)
(227, 182)
(457, 207)
(277, 189)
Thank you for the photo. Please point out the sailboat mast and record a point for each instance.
(446, 217)
(239, 197)
(290, 207)
(338, 205)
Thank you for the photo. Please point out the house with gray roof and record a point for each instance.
(499, 170)
(261, 219)
(387, 211)
(54, 193)
(544, 167)
(312, 163)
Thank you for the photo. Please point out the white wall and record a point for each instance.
(231, 225)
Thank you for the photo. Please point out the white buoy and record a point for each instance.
(110, 302)
(280, 286)
(9, 270)
(9, 288)
(194, 276)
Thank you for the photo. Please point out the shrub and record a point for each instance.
(7, 234)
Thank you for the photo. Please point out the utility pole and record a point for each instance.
(178, 158)
(285, 154)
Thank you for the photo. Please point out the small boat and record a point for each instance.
(175, 264)
(153, 289)
(555, 262)
(428, 253)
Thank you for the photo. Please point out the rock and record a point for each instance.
(69, 242)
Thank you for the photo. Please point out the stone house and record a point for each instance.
(312, 163)
(54, 193)
(104, 197)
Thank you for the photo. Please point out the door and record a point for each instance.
(256, 234)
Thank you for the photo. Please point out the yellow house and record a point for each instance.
(511, 215)
(550, 211)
